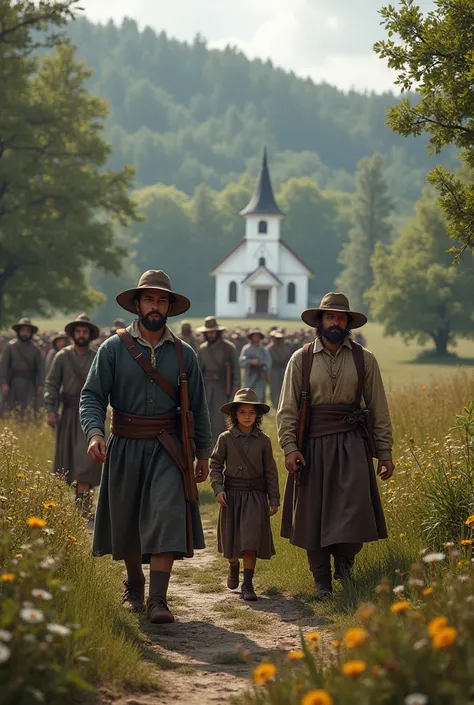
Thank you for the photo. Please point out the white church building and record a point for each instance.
(262, 276)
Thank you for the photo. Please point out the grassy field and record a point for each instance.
(397, 359)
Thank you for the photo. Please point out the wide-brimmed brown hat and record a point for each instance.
(57, 336)
(335, 302)
(255, 331)
(245, 396)
(82, 320)
(210, 324)
(277, 333)
(25, 321)
(159, 280)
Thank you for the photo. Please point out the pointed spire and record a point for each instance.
(263, 201)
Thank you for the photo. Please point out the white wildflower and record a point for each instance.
(31, 615)
(470, 598)
(434, 557)
(4, 635)
(47, 563)
(415, 582)
(420, 644)
(48, 531)
(3, 499)
(58, 629)
(416, 699)
(398, 589)
(42, 594)
(449, 544)
(5, 653)
(463, 578)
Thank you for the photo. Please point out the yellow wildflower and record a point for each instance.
(263, 673)
(7, 577)
(424, 388)
(20, 474)
(466, 542)
(49, 505)
(428, 591)
(399, 607)
(313, 637)
(445, 637)
(295, 655)
(402, 535)
(317, 697)
(470, 520)
(36, 522)
(355, 637)
(18, 489)
(353, 669)
(72, 538)
(336, 644)
(436, 625)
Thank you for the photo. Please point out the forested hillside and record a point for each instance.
(184, 115)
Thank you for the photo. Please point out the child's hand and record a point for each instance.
(221, 497)
(273, 510)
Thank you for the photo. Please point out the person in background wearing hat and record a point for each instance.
(147, 510)
(280, 352)
(63, 386)
(188, 336)
(118, 324)
(219, 365)
(332, 504)
(244, 479)
(257, 363)
(22, 370)
(57, 342)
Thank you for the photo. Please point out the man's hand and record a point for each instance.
(5, 390)
(273, 510)
(385, 474)
(201, 471)
(52, 419)
(291, 461)
(255, 363)
(97, 450)
(221, 498)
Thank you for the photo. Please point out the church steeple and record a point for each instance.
(263, 201)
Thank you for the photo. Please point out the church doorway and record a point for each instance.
(262, 298)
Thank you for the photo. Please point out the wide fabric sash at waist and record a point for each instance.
(212, 377)
(326, 419)
(142, 427)
(244, 483)
(70, 401)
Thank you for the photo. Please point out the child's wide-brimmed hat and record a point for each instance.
(245, 396)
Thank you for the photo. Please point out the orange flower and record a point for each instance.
(355, 637)
(336, 644)
(7, 577)
(354, 669)
(263, 673)
(399, 607)
(317, 697)
(466, 542)
(445, 637)
(36, 522)
(49, 505)
(470, 520)
(73, 539)
(295, 655)
(428, 591)
(20, 474)
(313, 638)
(436, 625)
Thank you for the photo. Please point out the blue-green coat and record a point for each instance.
(141, 508)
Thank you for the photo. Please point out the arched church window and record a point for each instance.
(291, 298)
(263, 227)
(232, 292)
(262, 262)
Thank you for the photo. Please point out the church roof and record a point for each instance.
(262, 268)
(242, 242)
(263, 201)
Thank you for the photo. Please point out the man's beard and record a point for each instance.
(211, 341)
(153, 325)
(334, 334)
(82, 342)
(25, 338)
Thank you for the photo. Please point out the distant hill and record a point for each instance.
(185, 115)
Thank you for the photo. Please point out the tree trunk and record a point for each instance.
(441, 340)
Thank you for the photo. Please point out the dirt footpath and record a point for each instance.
(200, 656)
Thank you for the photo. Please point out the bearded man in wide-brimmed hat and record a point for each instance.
(256, 363)
(22, 370)
(280, 352)
(63, 387)
(332, 504)
(57, 342)
(221, 371)
(147, 510)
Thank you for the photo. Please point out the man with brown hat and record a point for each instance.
(188, 336)
(147, 510)
(280, 353)
(57, 342)
(332, 419)
(22, 370)
(220, 368)
(257, 363)
(63, 387)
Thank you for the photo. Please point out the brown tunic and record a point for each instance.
(244, 525)
(22, 368)
(212, 361)
(63, 386)
(280, 354)
(337, 500)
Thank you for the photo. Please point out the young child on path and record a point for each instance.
(244, 479)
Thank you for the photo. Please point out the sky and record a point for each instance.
(328, 40)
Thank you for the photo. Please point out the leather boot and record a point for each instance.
(343, 568)
(322, 583)
(233, 575)
(157, 610)
(134, 595)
